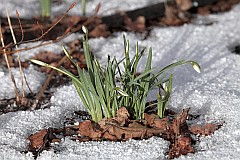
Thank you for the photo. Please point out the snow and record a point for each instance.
(34, 79)
(109, 150)
(214, 93)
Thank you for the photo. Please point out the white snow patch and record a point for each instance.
(70, 95)
(34, 79)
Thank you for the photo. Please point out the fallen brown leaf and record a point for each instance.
(182, 146)
(174, 16)
(47, 57)
(36, 140)
(101, 30)
(121, 128)
(205, 129)
(139, 25)
(88, 128)
(184, 5)
(179, 121)
(154, 121)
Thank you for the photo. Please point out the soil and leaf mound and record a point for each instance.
(173, 128)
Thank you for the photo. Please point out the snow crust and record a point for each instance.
(214, 93)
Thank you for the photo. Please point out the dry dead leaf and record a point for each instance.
(184, 5)
(122, 116)
(154, 121)
(88, 129)
(121, 128)
(139, 25)
(36, 140)
(182, 146)
(179, 121)
(206, 129)
(101, 30)
(47, 57)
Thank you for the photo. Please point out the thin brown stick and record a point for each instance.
(20, 24)
(22, 38)
(37, 39)
(53, 41)
(39, 26)
(18, 56)
(9, 68)
(43, 34)
(27, 83)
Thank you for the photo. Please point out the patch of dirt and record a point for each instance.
(219, 6)
(11, 105)
(122, 128)
(235, 49)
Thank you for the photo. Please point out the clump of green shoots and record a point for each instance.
(102, 95)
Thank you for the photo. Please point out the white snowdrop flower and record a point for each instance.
(76, 123)
(84, 29)
(196, 67)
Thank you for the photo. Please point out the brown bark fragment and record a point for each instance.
(154, 121)
(206, 129)
(36, 140)
(87, 128)
(182, 146)
(179, 121)
(184, 5)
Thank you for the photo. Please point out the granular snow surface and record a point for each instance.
(214, 94)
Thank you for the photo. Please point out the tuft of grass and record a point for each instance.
(102, 95)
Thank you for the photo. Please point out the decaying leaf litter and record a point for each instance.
(121, 128)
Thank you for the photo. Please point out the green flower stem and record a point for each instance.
(46, 8)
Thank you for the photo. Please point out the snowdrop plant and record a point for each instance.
(138, 87)
(102, 95)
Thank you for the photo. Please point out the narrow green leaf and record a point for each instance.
(145, 73)
(57, 69)
(160, 106)
(120, 91)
